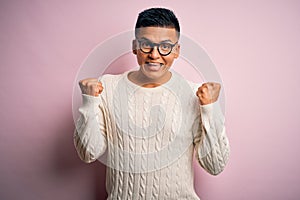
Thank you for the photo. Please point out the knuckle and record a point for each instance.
(87, 81)
(89, 84)
(81, 82)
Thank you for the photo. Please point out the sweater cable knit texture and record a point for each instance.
(147, 137)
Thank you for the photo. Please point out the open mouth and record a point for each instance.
(153, 66)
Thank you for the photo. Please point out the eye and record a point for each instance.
(165, 46)
(146, 44)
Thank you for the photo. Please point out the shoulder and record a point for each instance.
(194, 86)
(111, 78)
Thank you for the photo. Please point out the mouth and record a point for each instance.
(153, 66)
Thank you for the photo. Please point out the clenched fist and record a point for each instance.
(91, 86)
(208, 93)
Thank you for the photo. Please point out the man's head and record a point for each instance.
(157, 17)
(156, 45)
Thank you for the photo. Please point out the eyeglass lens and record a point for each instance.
(164, 48)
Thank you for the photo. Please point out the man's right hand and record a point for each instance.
(91, 86)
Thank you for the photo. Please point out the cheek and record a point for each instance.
(169, 61)
(140, 58)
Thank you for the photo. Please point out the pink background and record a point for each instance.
(254, 44)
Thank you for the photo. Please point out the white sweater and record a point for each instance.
(147, 137)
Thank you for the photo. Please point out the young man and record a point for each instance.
(146, 124)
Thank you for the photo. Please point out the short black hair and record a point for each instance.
(157, 17)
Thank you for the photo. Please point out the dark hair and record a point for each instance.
(157, 17)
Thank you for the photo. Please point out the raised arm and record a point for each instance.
(90, 132)
(211, 143)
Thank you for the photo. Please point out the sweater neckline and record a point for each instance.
(166, 84)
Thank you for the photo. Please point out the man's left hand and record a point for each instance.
(208, 93)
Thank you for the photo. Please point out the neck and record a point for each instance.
(138, 78)
(150, 85)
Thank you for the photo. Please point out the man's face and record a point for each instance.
(153, 65)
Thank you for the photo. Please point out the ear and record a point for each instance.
(134, 47)
(177, 51)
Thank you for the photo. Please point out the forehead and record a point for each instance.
(157, 34)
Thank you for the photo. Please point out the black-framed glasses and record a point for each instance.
(164, 48)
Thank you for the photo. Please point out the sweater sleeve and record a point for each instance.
(90, 132)
(211, 143)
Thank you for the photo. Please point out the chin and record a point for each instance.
(155, 73)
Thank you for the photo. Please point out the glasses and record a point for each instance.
(163, 48)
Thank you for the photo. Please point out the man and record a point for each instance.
(146, 124)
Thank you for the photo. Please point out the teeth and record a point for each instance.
(153, 63)
(153, 66)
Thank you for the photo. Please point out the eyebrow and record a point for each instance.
(160, 41)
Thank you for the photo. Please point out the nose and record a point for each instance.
(154, 53)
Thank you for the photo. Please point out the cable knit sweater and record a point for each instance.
(147, 137)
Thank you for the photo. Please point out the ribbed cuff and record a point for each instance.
(89, 101)
(212, 109)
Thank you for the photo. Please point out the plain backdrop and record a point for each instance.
(254, 44)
